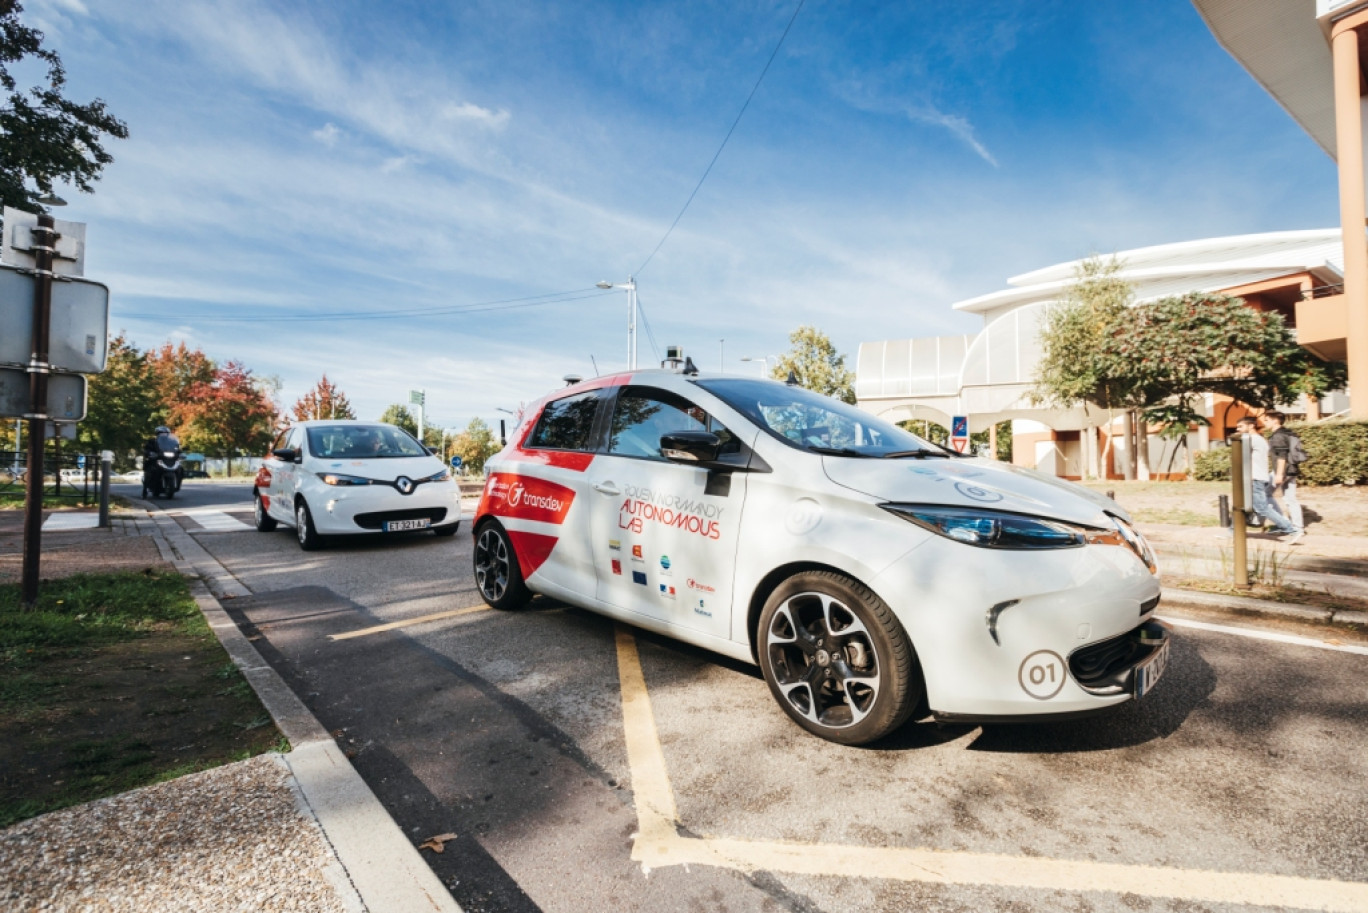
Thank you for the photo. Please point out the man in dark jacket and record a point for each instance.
(1283, 471)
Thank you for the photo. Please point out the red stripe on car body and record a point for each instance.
(532, 550)
(524, 497)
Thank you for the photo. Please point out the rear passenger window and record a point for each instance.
(566, 424)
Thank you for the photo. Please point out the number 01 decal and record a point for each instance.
(1042, 674)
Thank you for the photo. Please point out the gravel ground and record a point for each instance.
(228, 839)
(127, 546)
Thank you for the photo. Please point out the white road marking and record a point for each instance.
(212, 519)
(659, 843)
(1257, 634)
(436, 616)
(58, 522)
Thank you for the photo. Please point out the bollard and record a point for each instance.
(1238, 504)
(106, 467)
(1223, 508)
(1112, 494)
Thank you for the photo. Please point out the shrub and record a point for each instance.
(1212, 465)
(1338, 451)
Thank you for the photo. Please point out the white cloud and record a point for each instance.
(959, 126)
(327, 134)
(468, 111)
(397, 163)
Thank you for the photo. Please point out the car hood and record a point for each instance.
(382, 470)
(973, 482)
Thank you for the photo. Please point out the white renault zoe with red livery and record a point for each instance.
(331, 478)
(868, 572)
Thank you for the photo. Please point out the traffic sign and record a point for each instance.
(417, 397)
(16, 243)
(455, 462)
(66, 396)
(78, 332)
(959, 433)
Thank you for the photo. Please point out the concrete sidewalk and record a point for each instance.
(280, 832)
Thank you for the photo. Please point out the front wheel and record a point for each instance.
(836, 659)
(497, 574)
(265, 523)
(309, 539)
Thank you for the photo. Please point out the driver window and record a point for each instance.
(642, 415)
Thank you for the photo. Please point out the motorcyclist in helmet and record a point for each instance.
(155, 449)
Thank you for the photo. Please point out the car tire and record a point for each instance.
(836, 658)
(497, 574)
(265, 523)
(446, 531)
(308, 536)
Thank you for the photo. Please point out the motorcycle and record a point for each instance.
(162, 469)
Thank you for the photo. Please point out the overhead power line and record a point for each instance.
(718, 153)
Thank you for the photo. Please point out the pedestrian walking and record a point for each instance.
(1261, 481)
(1286, 454)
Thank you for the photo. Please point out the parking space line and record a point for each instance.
(438, 616)
(658, 843)
(1269, 635)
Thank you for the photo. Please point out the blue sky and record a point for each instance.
(330, 158)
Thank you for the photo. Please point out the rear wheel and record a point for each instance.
(497, 574)
(836, 659)
(265, 523)
(309, 539)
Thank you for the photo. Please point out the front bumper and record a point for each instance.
(341, 509)
(1014, 634)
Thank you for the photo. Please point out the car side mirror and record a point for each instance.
(690, 446)
(286, 454)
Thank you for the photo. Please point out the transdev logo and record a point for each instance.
(639, 577)
(526, 498)
(701, 587)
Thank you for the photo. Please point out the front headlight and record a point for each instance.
(443, 476)
(997, 529)
(169, 454)
(336, 478)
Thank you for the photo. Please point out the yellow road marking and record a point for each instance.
(362, 632)
(658, 843)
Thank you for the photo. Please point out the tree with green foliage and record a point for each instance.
(399, 416)
(475, 445)
(815, 362)
(121, 404)
(1075, 363)
(45, 137)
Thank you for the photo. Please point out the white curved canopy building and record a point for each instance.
(987, 376)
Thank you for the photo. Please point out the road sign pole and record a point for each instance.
(45, 240)
(1238, 506)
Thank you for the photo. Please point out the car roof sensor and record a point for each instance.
(571, 379)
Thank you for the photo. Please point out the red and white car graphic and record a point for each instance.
(870, 574)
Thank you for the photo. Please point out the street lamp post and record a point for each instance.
(630, 286)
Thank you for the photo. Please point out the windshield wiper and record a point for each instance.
(838, 451)
(917, 454)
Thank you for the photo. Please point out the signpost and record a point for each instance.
(418, 398)
(53, 329)
(959, 433)
(1241, 498)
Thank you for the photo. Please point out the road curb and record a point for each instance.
(1180, 597)
(386, 871)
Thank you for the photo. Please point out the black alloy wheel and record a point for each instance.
(497, 574)
(836, 658)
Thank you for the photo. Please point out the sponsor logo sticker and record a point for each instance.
(667, 591)
(701, 587)
(637, 554)
(617, 567)
(700, 609)
(639, 577)
(614, 545)
(665, 565)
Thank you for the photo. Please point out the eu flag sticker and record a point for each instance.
(639, 577)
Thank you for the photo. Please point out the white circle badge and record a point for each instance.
(803, 516)
(1042, 674)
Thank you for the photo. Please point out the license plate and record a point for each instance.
(1150, 672)
(395, 526)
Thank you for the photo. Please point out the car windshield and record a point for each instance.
(810, 421)
(358, 442)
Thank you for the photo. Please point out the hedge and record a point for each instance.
(1338, 455)
(1338, 451)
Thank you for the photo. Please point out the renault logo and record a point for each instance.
(404, 484)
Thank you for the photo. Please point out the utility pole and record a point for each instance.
(44, 243)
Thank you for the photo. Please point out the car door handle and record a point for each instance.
(607, 488)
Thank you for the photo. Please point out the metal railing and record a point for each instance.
(75, 477)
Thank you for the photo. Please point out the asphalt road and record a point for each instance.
(557, 747)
